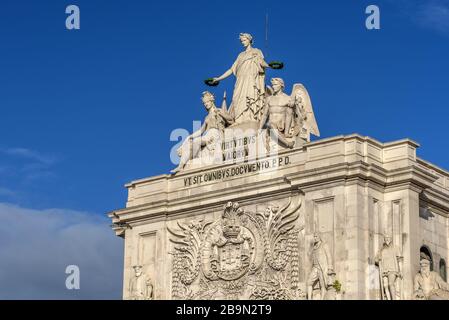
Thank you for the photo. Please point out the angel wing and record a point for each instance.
(279, 223)
(187, 243)
(304, 106)
(189, 237)
(284, 220)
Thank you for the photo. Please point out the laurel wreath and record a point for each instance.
(277, 65)
(210, 82)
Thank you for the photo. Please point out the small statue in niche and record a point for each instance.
(389, 261)
(321, 268)
(141, 286)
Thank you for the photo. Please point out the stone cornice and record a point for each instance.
(343, 174)
(341, 160)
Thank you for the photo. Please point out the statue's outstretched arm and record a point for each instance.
(224, 75)
(261, 59)
(264, 64)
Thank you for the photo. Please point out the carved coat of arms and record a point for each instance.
(242, 255)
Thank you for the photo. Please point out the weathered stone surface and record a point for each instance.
(351, 189)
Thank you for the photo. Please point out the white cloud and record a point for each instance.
(435, 15)
(37, 246)
(31, 155)
(429, 14)
(27, 165)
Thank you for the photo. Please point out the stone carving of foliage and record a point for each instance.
(243, 255)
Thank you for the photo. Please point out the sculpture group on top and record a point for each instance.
(285, 120)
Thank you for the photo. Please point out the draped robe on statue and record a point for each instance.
(249, 90)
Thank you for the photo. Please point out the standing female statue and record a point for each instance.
(249, 90)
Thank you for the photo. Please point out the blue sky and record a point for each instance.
(83, 112)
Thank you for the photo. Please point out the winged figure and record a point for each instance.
(304, 122)
(288, 118)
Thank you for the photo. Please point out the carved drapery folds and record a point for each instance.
(388, 260)
(242, 255)
(428, 285)
(141, 285)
